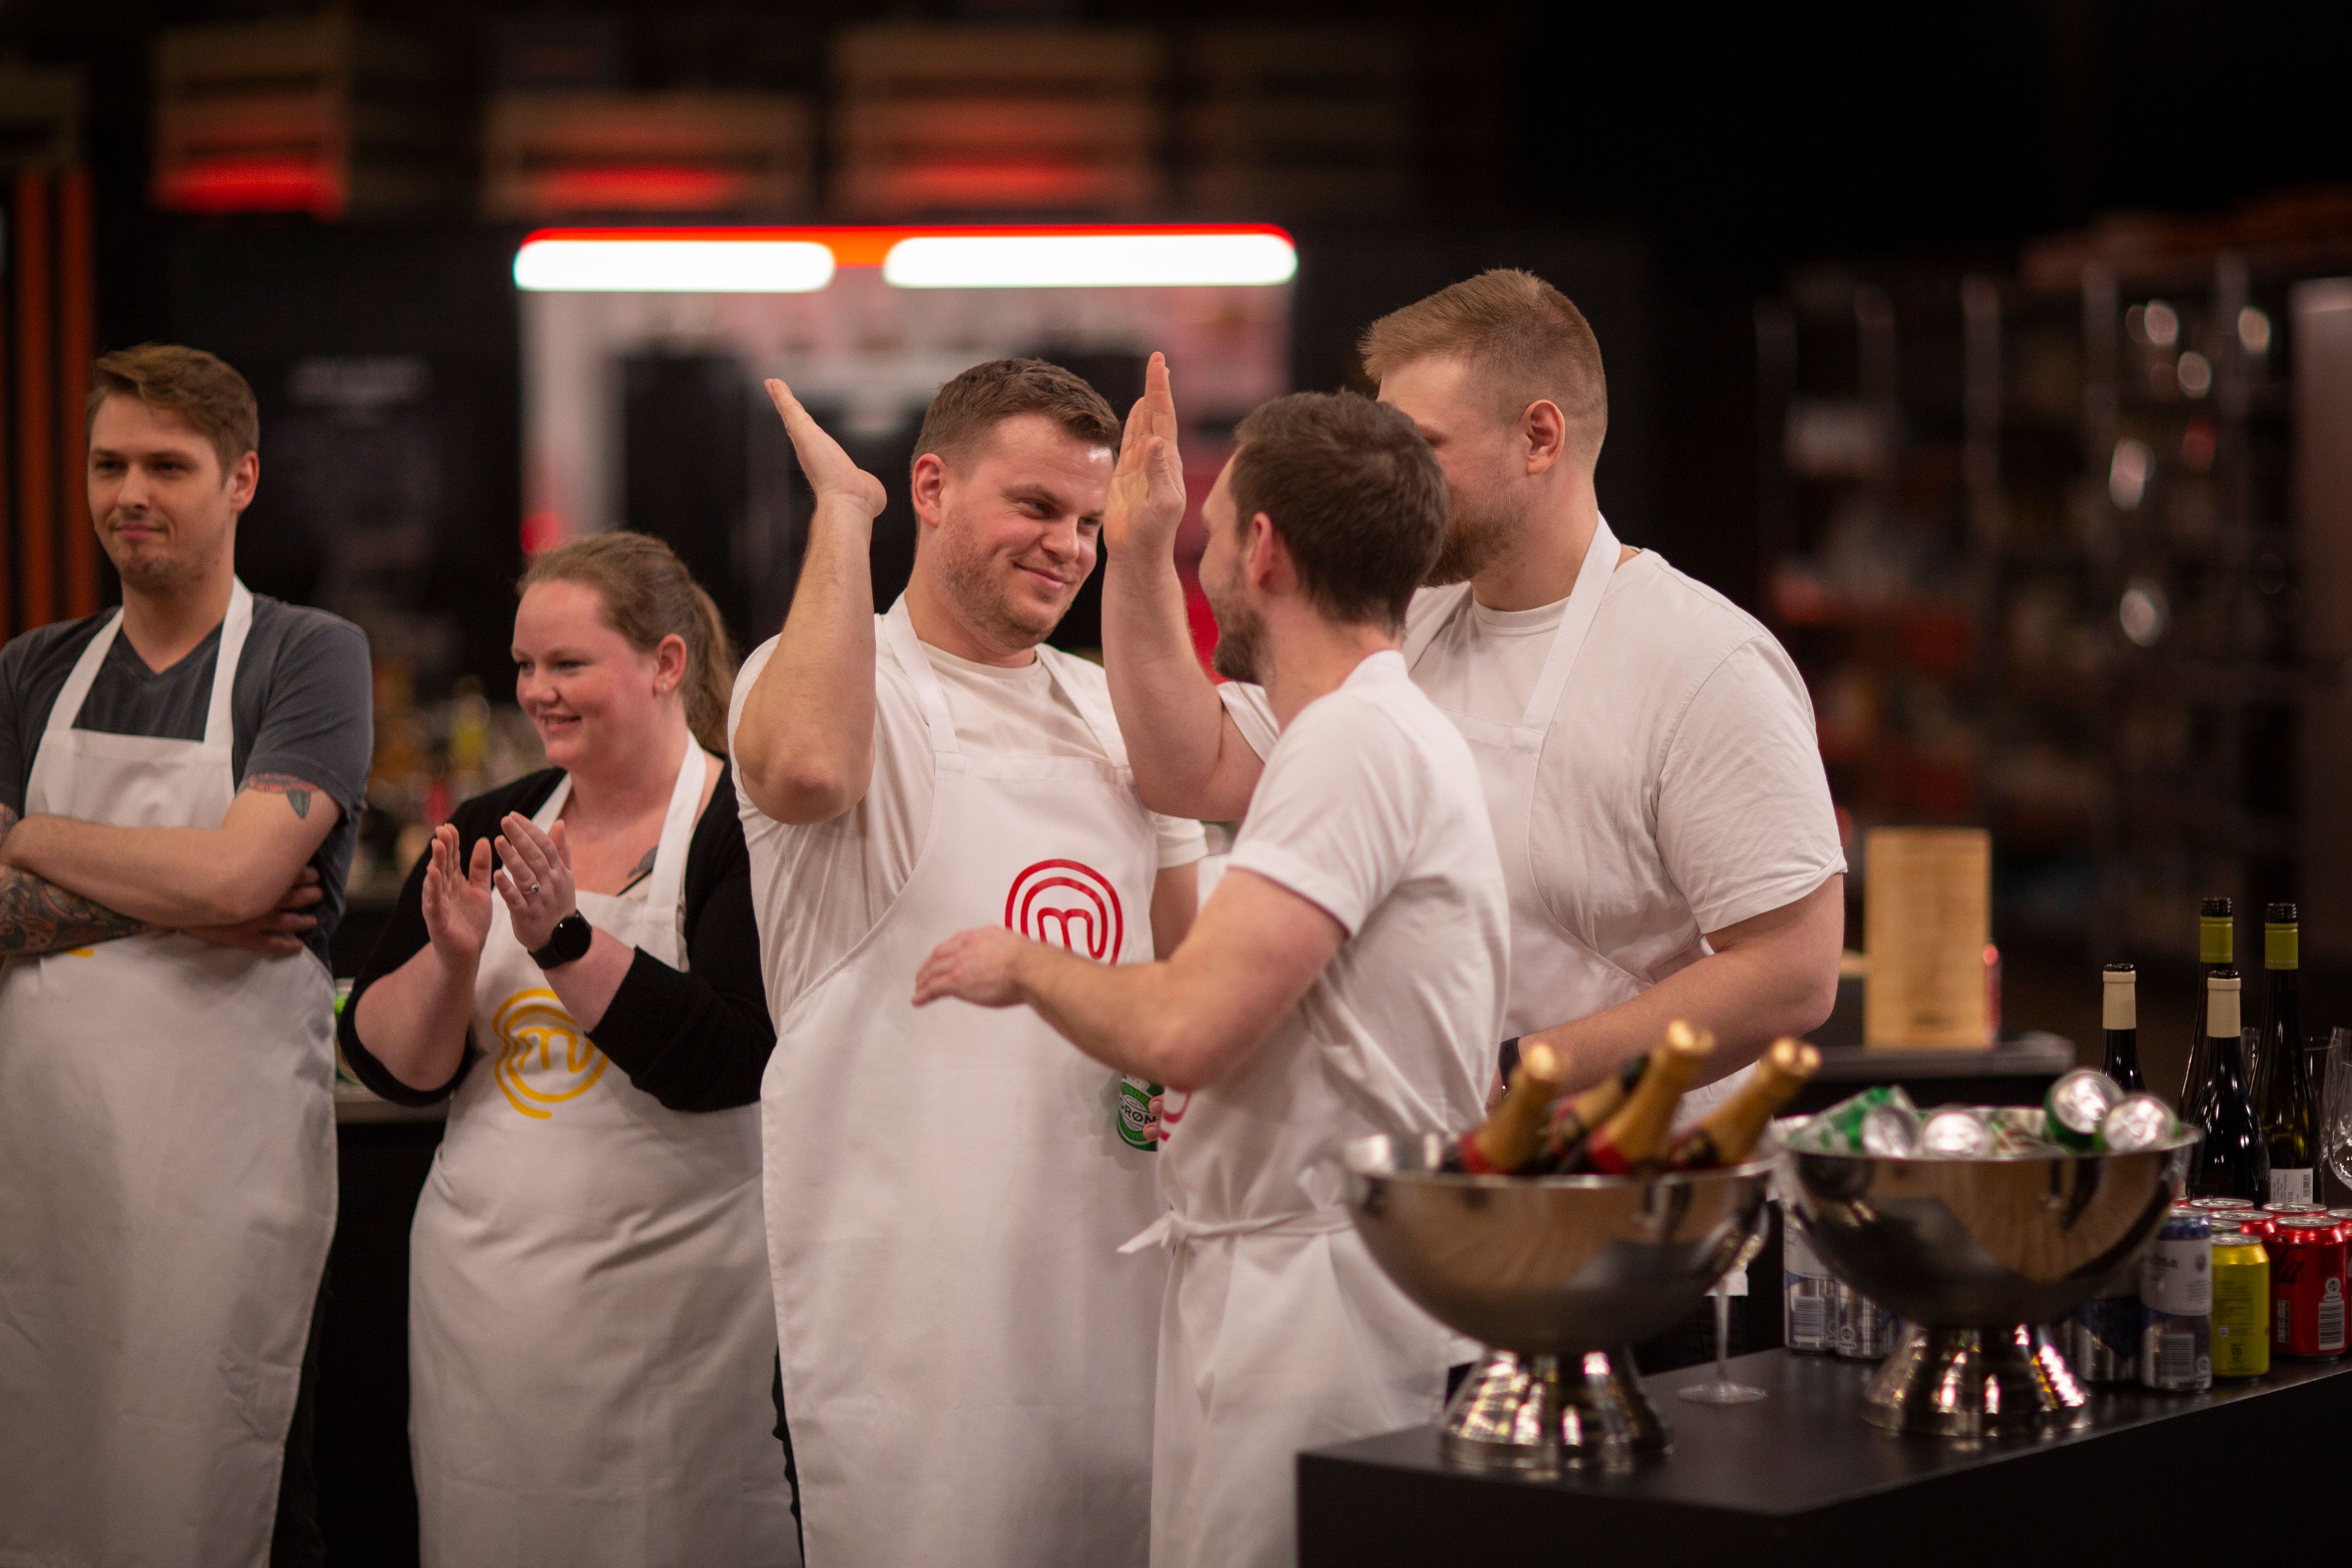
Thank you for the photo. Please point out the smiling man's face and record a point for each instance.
(160, 503)
(1020, 522)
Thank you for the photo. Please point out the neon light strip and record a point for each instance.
(652, 266)
(1005, 257)
(1091, 261)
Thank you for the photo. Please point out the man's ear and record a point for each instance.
(928, 484)
(244, 478)
(1543, 434)
(1264, 555)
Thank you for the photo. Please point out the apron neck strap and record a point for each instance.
(1583, 605)
(668, 876)
(899, 636)
(234, 627)
(1093, 706)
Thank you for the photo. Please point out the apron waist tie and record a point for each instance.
(1173, 1231)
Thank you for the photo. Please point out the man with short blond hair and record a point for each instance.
(1646, 748)
(180, 788)
(967, 1359)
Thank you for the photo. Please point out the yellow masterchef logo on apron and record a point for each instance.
(542, 1058)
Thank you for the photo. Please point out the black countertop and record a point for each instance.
(1801, 1478)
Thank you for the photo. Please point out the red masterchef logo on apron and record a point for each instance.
(1067, 904)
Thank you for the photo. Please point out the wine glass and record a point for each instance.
(1722, 1390)
(2335, 1107)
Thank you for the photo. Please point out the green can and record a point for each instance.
(1873, 1120)
(2078, 1102)
(1137, 1127)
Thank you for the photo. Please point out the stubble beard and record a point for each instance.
(154, 569)
(1235, 656)
(1477, 532)
(980, 593)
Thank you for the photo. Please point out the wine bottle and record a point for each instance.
(2217, 949)
(1513, 1132)
(2283, 1094)
(2119, 1012)
(1573, 1119)
(1731, 1130)
(1635, 1139)
(2233, 1161)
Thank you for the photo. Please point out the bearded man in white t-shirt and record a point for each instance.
(967, 1358)
(1647, 750)
(1345, 977)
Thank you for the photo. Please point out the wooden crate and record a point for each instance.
(546, 154)
(321, 114)
(932, 118)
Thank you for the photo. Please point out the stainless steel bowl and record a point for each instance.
(1975, 1255)
(1557, 1275)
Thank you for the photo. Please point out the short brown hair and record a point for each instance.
(648, 595)
(1517, 332)
(1355, 494)
(203, 388)
(975, 402)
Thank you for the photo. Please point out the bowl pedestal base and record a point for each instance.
(1541, 1414)
(1975, 1383)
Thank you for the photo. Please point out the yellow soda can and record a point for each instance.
(2241, 1306)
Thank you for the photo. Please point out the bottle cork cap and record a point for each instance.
(1538, 1062)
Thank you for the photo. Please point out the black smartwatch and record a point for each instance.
(568, 941)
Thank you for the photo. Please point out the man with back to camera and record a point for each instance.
(1647, 750)
(180, 786)
(1346, 978)
(966, 1357)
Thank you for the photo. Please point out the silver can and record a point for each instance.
(1957, 1132)
(1862, 1329)
(2103, 1341)
(2175, 1292)
(1808, 1319)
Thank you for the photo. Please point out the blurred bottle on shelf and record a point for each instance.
(2235, 1159)
(2283, 1096)
(2217, 949)
(2119, 1010)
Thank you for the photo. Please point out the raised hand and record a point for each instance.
(534, 877)
(1146, 491)
(457, 901)
(831, 472)
(280, 933)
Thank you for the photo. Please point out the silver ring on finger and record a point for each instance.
(531, 892)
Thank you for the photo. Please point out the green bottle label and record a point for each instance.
(1135, 1121)
(2217, 940)
(2282, 946)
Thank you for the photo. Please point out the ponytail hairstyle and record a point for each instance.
(648, 595)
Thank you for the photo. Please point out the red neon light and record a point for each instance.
(252, 185)
(866, 245)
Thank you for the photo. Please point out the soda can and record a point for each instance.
(2176, 1288)
(2295, 1211)
(1807, 1317)
(2306, 1287)
(1139, 1127)
(2077, 1106)
(1843, 1128)
(2213, 1203)
(2136, 1122)
(2339, 1213)
(2103, 1339)
(1862, 1330)
(1957, 1132)
(1890, 1132)
(2241, 1298)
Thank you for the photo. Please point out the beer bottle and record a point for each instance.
(1508, 1138)
(1573, 1119)
(2233, 1161)
(2119, 1011)
(1635, 1139)
(1730, 1131)
(2217, 949)
(2283, 1096)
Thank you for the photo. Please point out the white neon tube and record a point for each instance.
(1090, 261)
(673, 266)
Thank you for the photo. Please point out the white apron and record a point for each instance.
(1557, 976)
(967, 1358)
(1279, 1331)
(590, 1347)
(167, 1190)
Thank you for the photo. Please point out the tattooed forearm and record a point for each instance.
(37, 916)
(298, 791)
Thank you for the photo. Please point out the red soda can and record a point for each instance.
(2308, 1262)
(2295, 1211)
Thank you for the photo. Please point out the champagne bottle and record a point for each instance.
(2283, 1096)
(1731, 1130)
(2119, 1010)
(1510, 1135)
(1573, 1119)
(2217, 949)
(1635, 1139)
(2233, 1161)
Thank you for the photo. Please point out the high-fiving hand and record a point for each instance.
(1146, 491)
(831, 472)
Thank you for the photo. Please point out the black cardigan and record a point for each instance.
(694, 1039)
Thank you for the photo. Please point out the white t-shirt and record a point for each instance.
(821, 886)
(1681, 789)
(1370, 807)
